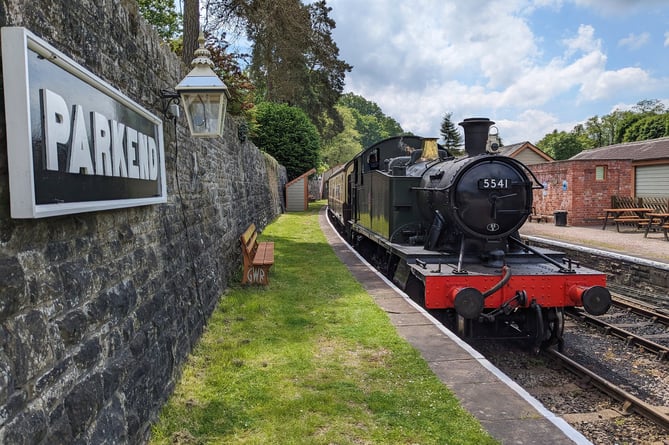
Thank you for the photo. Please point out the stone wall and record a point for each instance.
(99, 310)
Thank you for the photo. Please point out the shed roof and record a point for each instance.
(635, 151)
(309, 173)
(514, 149)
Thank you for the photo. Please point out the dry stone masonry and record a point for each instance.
(99, 310)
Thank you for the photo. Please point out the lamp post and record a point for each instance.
(203, 95)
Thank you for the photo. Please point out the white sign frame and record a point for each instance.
(16, 42)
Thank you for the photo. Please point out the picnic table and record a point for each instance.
(658, 221)
(635, 214)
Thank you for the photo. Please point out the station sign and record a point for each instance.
(74, 143)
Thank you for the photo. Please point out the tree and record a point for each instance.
(594, 130)
(288, 135)
(346, 144)
(649, 106)
(162, 15)
(370, 121)
(226, 67)
(191, 31)
(646, 120)
(326, 72)
(450, 133)
(629, 120)
(294, 59)
(561, 145)
(649, 127)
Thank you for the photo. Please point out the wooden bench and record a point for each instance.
(541, 218)
(258, 257)
(634, 221)
(665, 229)
(538, 217)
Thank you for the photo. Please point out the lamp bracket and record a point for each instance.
(171, 101)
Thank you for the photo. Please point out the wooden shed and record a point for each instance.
(297, 193)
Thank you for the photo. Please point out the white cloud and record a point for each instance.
(666, 38)
(635, 41)
(607, 83)
(422, 59)
(584, 42)
(530, 125)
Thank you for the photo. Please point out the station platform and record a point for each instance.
(504, 409)
(628, 241)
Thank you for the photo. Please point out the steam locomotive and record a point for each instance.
(445, 230)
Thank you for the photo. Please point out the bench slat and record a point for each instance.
(264, 254)
(258, 257)
(248, 233)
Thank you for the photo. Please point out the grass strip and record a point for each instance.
(310, 359)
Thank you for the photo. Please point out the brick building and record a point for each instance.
(585, 184)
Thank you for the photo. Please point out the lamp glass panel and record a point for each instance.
(204, 112)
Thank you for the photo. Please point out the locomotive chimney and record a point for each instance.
(476, 134)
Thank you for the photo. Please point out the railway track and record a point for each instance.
(635, 323)
(638, 325)
(630, 403)
(609, 383)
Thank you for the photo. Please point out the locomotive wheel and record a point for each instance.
(546, 332)
(554, 325)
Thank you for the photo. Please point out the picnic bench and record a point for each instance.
(626, 216)
(658, 221)
(258, 257)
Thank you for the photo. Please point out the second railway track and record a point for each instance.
(633, 322)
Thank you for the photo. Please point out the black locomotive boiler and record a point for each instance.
(445, 230)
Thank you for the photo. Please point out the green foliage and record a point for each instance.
(346, 144)
(370, 122)
(650, 106)
(449, 132)
(162, 15)
(363, 124)
(227, 67)
(294, 59)
(561, 145)
(310, 359)
(646, 120)
(288, 135)
(648, 127)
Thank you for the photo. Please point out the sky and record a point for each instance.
(532, 66)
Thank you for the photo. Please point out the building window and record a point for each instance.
(600, 173)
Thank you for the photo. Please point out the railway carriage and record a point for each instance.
(445, 230)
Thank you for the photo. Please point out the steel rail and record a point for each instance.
(630, 402)
(638, 309)
(629, 337)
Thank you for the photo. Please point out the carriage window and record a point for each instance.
(600, 173)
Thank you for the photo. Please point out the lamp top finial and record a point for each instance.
(202, 54)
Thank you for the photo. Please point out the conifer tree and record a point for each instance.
(450, 133)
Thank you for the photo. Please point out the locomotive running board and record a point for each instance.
(557, 264)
